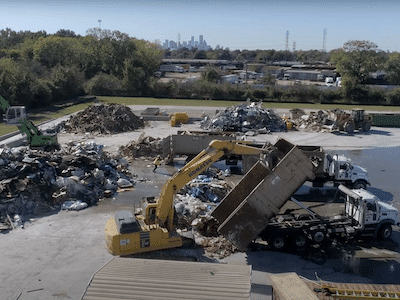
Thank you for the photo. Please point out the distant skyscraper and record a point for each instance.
(192, 41)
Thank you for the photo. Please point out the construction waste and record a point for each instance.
(34, 182)
(145, 146)
(319, 121)
(194, 205)
(103, 119)
(244, 118)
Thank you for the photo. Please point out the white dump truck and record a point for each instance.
(253, 207)
(364, 216)
(337, 169)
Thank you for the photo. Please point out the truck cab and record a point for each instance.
(341, 169)
(370, 214)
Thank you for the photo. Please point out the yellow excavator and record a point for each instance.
(152, 230)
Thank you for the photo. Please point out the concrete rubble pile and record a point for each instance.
(103, 119)
(245, 118)
(193, 206)
(145, 146)
(34, 182)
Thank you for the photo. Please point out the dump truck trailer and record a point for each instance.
(246, 210)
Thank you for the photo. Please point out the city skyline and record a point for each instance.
(201, 44)
(253, 24)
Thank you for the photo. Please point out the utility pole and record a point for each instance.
(324, 41)
(99, 28)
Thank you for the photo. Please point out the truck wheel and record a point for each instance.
(277, 242)
(360, 184)
(300, 241)
(366, 126)
(385, 232)
(349, 128)
(318, 236)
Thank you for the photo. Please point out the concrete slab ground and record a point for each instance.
(55, 256)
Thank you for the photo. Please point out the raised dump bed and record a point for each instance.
(246, 210)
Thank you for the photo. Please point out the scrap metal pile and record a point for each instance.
(34, 182)
(104, 119)
(245, 117)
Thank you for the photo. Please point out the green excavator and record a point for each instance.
(16, 115)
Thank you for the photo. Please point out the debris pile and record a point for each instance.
(206, 188)
(315, 121)
(104, 119)
(245, 118)
(194, 205)
(145, 146)
(34, 182)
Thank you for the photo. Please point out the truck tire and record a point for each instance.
(385, 232)
(360, 184)
(349, 128)
(366, 126)
(277, 242)
(318, 236)
(300, 241)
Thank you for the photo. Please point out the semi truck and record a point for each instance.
(253, 209)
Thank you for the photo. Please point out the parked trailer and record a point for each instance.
(192, 143)
(171, 68)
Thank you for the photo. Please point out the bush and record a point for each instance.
(393, 97)
(330, 96)
(103, 84)
(42, 92)
(68, 82)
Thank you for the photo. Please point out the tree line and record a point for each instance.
(37, 69)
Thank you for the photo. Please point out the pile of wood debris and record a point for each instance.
(145, 146)
(103, 119)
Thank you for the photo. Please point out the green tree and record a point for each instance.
(356, 60)
(392, 68)
(211, 75)
(53, 51)
(201, 54)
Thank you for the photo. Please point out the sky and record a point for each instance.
(251, 24)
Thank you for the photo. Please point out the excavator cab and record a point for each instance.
(12, 114)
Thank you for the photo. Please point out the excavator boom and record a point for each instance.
(196, 166)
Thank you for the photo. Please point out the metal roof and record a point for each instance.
(135, 278)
